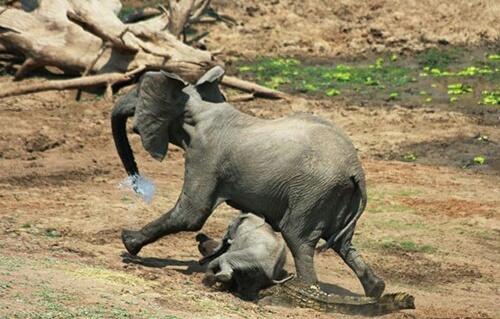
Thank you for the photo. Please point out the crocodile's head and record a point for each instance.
(401, 300)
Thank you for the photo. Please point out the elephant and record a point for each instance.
(300, 172)
(251, 256)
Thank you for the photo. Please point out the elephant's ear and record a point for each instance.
(208, 85)
(160, 101)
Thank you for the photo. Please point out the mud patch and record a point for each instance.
(452, 207)
(416, 269)
(41, 143)
(102, 237)
(61, 178)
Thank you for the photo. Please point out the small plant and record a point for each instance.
(332, 92)
(52, 233)
(458, 89)
(393, 96)
(309, 87)
(494, 57)
(479, 160)
(371, 82)
(394, 57)
(491, 97)
(276, 81)
(409, 157)
(472, 71)
(244, 68)
(379, 63)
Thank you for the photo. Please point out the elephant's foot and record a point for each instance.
(133, 241)
(373, 286)
(224, 276)
(209, 280)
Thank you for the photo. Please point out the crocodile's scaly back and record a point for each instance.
(295, 293)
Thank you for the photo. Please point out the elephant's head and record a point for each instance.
(157, 104)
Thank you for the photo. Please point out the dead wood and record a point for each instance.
(183, 12)
(69, 34)
(143, 14)
(107, 79)
(87, 37)
(242, 97)
(257, 90)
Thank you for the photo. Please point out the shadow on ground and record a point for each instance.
(192, 265)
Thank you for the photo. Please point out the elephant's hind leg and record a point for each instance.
(372, 284)
(302, 247)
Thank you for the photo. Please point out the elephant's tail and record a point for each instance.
(123, 109)
(357, 205)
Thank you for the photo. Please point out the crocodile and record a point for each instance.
(298, 294)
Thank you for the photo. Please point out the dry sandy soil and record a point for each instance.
(432, 227)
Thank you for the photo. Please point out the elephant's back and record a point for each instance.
(268, 161)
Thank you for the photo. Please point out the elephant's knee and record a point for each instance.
(194, 225)
(192, 222)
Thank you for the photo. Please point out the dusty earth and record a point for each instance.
(432, 226)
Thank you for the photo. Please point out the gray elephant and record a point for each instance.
(251, 256)
(301, 173)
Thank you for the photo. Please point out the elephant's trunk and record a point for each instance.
(124, 108)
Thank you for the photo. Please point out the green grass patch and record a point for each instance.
(435, 58)
(109, 275)
(328, 79)
(392, 245)
(491, 97)
(10, 263)
(400, 224)
(387, 78)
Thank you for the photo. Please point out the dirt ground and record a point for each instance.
(431, 228)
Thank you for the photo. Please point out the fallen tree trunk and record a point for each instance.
(107, 79)
(257, 90)
(50, 37)
(86, 37)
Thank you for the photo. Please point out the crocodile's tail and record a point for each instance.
(358, 204)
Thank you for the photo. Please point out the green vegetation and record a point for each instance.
(459, 88)
(409, 157)
(435, 58)
(283, 72)
(491, 97)
(52, 233)
(479, 160)
(391, 78)
(408, 246)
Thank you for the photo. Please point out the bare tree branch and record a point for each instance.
(107, 79)
(117, 42)
(257, 90)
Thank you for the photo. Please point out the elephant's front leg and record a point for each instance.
(192, 209)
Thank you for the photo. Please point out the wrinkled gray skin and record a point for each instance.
(301, 173)
(253, 258)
